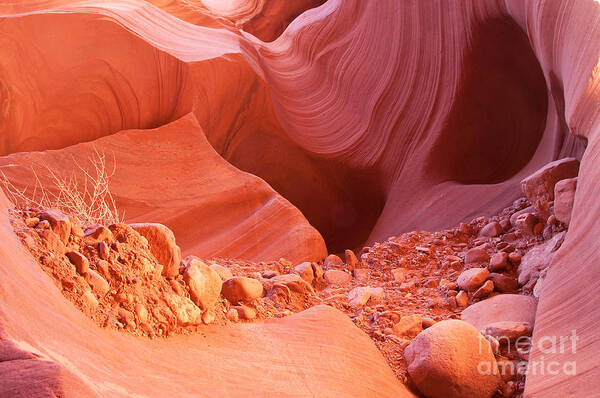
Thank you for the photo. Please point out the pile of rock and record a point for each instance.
(132, 277)
(487, 352)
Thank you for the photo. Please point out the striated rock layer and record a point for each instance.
(439, 109)
(171, 175)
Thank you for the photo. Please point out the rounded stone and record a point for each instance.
(242, 290)
(472, 279)
(451, 359)
(204, 284)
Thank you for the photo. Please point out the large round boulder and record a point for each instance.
(451, 359)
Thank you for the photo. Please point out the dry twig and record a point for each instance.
(83, 194)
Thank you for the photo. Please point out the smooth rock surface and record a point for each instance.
(445, 361)
(240, 289)
(161, 241)
(491, 230)
(503, 307)
(224, 272)
(564, 197)
(476, 255)
(472, 279)
(409, 326)
(539, 187)
(204, 284)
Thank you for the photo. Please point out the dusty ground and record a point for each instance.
(417, 272)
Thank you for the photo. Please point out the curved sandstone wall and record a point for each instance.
(420, 114)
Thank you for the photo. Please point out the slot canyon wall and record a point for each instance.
(301, 127)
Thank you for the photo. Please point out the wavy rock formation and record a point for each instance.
(370, 117)
(171, 175)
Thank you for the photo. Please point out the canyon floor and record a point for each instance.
(392, 291)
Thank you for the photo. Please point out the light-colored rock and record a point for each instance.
(245, 313)
(208, 316)
(462, 299)
(102, 267)
(445, 284)
(407, 286)
(452, 359)
(233, 315)
(184, 309)
(337, 277)
(472, 279)
(162, 245)
(539, 284)
(539, 187)
(318, 271)
(306, 271)
(141, 312)
(503, 307)
(90, 300)
(270, 274)
(32, 221)
(361, 274)
(359, 296)
(204, 284)
(98, 232)
(240, 289)
(223, 272)
(513, 218)
(409, 326)
(564, 197)
(59, 222)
